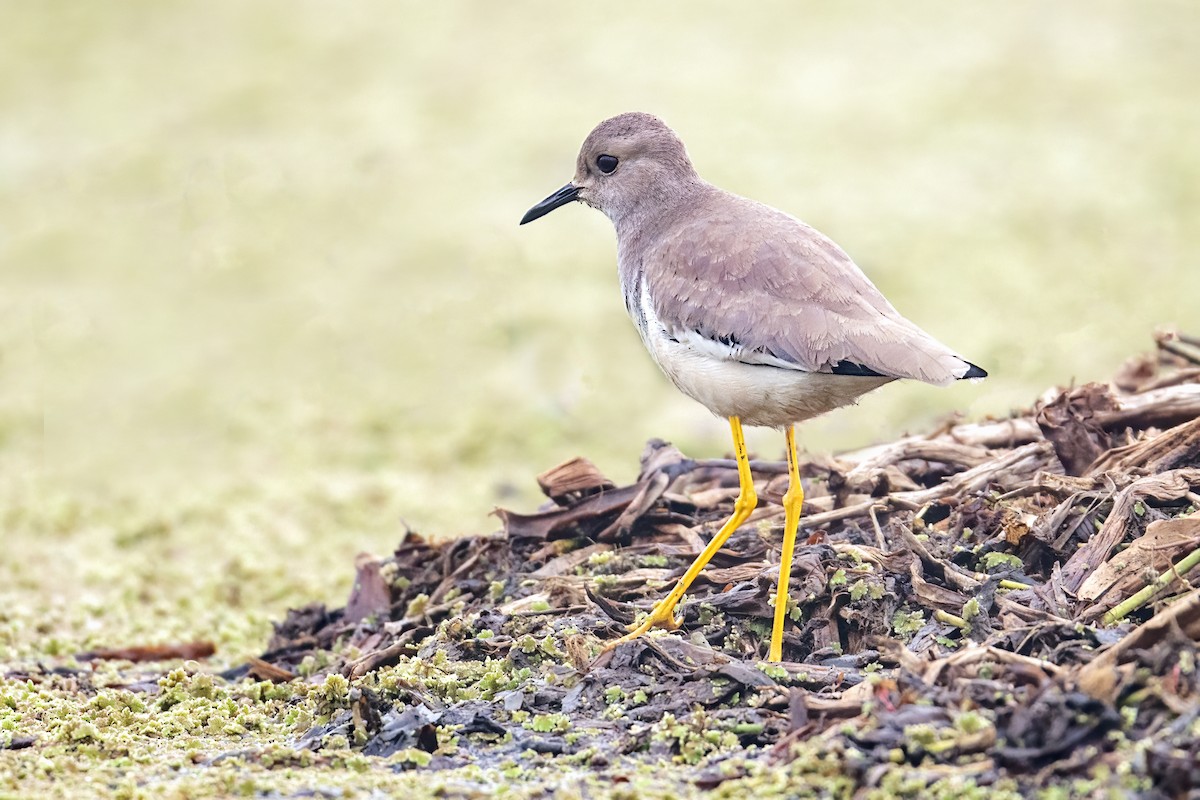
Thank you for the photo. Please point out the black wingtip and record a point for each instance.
(973, 372)
(857, 370)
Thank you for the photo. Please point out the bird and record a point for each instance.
(752, 313)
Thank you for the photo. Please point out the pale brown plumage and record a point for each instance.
(746, 309)
(785, 290)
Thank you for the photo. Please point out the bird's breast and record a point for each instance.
(633, 290)
(710, 373)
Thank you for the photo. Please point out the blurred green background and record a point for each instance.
(263, 295)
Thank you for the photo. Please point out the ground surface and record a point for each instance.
(995, 610)
(227, 233)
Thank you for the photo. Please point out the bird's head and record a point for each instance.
(629, 162)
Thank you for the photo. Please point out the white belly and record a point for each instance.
(758, 394)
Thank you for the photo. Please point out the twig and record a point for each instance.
(1007, 583)
(1183, 352)
(950, 619)
(879, 540)
(1136, 601)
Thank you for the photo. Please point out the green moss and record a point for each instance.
(550, 647)
(971, 609)
(601, 558)
(1002, 562)
(604, 583)
(971, 722)
(773, 671)
(549, 723)
(693, 738)
(907, 623)
(416, 607)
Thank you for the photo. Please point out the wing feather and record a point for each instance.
(786, 294)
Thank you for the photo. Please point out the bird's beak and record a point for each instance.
(563, 196)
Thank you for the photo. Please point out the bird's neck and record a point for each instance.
(637, 223)
(639, 229)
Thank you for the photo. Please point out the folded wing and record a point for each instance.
(776, 291)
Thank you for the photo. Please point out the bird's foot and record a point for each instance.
(663, 616)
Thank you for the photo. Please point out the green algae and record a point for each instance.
(907, 623)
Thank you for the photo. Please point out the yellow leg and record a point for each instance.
(663, 614)
(793, 500)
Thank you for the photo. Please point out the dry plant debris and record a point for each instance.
(1003, 603)
(1006, 602)
(997, 607)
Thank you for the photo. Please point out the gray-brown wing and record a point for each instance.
(776, 290)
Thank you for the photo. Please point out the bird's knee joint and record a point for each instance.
(746, 502)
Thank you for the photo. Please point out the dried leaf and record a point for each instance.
(1071, 422)
(371, 594)
(1149, 554)
(575, 477)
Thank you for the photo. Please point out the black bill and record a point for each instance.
(565, 195)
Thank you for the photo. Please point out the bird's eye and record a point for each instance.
(606, 163)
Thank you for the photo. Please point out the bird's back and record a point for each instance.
(739, 272)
